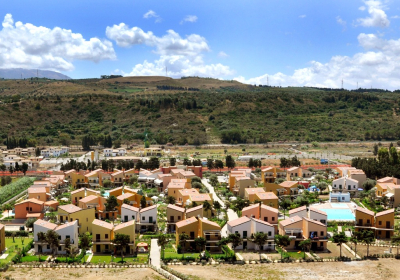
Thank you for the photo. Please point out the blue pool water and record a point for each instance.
(339, 205)
(339, 214)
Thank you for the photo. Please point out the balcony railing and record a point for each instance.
(101, 240)
(363, 224)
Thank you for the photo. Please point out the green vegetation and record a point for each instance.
(14, 247)
(9, 191)
(191, 110)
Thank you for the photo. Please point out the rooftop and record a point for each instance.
(390, 211)
(177, 208)
(298, 209)
(102, 224)
(45, 224)
(366, 211)
(129, 207)
(123, 225)
(186, 222)
(238, 221)
(288, 184)
(89, 198)
(70, 208)
(194, 209)
(148, 208)
(290, 221)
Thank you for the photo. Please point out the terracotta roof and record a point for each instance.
(187, 173)
(366, 211)
(356, 171)
(313, 221)
(177, 208)
(200, 197)
(194, 209)
(148, 208)
(254, 190)
(318, 211)
(250, 207)
(129, 207)
(298, 209)
(269, 208)
(266, 195)
(123, 225)
(67, 225)
(102, 224)
(240, 178)
(288, 184)
(210, 222)
(51, 202)
(293, 168)
(117, 173)
(186, 222)
(290, 221)
(77, 191)
(70, 208)
(262, 222)
(390, 211)
(33, 215)
(238, 221)
(176, 185)
(34, 189)
(70, 171)
(125, 195)
(385, 180)
(46, 183)
(45, 224)
(32, 200)
(94, 172)
(89, 198)
(188, 191)
(116, 189)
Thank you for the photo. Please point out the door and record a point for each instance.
(126, 218)
(387, 224)
(387, 234)
(98, 248)
(360, 222)
(98, 237)
(150, 219)
(127, 249)
(244, 245)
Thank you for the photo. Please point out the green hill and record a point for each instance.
(190, 110)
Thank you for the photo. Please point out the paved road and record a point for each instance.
(155, 255)
(231, 214)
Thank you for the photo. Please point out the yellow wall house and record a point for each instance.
(382, 223)
(288, 188)
(242, 183)
(102, 237)
(389, 187)
(195, 212)
(316, 231)
(268, 198)
(292, 227)
(250, 193)
(71, 213)
(127, 228)
(174, 214)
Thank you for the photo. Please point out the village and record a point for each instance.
(150, 207)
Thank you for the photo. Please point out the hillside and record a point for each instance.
(190, 110)
(17, 73)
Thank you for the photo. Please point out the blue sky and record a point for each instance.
(292, 42)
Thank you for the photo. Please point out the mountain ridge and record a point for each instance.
(17, 73)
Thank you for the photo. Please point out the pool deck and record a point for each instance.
(339, 206)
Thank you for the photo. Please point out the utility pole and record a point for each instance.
(342, 83)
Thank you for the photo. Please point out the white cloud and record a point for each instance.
(377, 66)
(342, 22)
(377, 18)
(30, 46)
(152, 14)
(395, 17)
(182, 56)
(302, 16)
(362, 8)
(222, 54)
(189, 18)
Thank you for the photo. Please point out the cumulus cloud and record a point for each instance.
(182, 56)
(152, 14)
(30, 46)
(222, 54)
(377, 66)
(189, 18)
(377, 16)
(342, 22)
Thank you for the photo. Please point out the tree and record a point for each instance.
(260, 238)
(24, 168)
(111, 203)
(143, 202)
(207, 207)
(162, 240)
(281, 241)
(368, 237)
(210, 164)
(171, 199)
(229, 162)
(67, 245)
(319, 177)
(295, 161)
(52, 240)
(235, 239)
(285, 204)
(217, 206)
(284, 162)
(8, 207)
(172, 161)
(339, 239)
(369, 184)
(197, 185)
(41, 238)
(213, 180)
(375, 151)
(85, 241)
(355, 239)
(29, 223)
(305, 244)
(183, 237)
(219, 164)
(37, 151)
(121, 241)
(200, 242)
(322, 186)
(187, 162)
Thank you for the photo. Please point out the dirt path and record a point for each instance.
(87, 273)
(383, 269)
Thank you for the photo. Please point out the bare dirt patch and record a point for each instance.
(81, 273)
(382, 269)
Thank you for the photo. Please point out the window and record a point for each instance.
(67, 236)
(106, 246)
(265, 219)
(48, 247)
(340, 187)
(380, 223)
(27, 208)
(323, 222)
(334, 186)
(273, 219)
(322, 233)
(321, 244)
(59, 248)
(59, 237)
(106, 236)
(269, 233)
(143, 218)
(236, 231)
(245, 234)
(171, 218)
(216, 234)
(379, 232)
(179, 218)
(368, 221)
(133, 217)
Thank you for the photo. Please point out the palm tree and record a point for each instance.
(200, 242)
(68, 247)
(52, 240)
(121, 241)
(85, 242)
(368, 237)
(285, 204)
(217, 206)
(305, 244)
(355, 238)
(41, 238)
(282, 241)
(260, 239)
(339, 239)
(182, 239)
(235, 239)
(162, 240)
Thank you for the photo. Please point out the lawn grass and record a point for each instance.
(116, 259)
(13, 246)
(33, 258)
(179, 256)
(295, 255)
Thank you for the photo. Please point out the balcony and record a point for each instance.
(358, 224)
(294, 233)
(98, 240)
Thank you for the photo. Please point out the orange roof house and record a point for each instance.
(30, 208)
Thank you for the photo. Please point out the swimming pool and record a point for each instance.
(339, 214)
